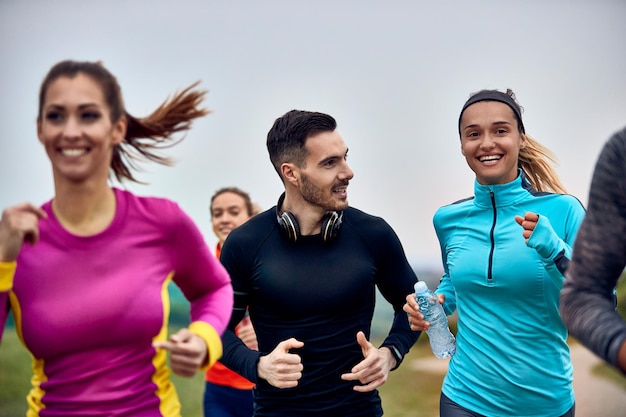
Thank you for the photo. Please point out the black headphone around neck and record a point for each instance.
(331, 223)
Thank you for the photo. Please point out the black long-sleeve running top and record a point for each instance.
(321, 293)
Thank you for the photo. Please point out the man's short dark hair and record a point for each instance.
(288, 135)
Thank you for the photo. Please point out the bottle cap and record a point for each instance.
(420, 286)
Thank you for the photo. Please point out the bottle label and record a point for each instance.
(425, 303)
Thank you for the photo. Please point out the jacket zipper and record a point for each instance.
(491, 236)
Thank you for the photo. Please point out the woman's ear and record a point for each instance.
(523, 141)
(39, 131)
(119, 130)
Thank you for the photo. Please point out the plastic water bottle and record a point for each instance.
(442, 341)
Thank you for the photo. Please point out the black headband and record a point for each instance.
(494, 95)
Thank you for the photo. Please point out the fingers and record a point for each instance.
(18, 224)
(372, 371)
(416, 319)
(288, 344)
(362, 341)
(246, 333)
(531, 217)
(367, 348)
(528, 223)
(281, 368)
(188, 352)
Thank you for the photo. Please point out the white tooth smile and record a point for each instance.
(73, 152)
(489, 158)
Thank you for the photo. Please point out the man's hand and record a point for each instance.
(372, 371)
(188, 352)
(18, 224)
(281, 368)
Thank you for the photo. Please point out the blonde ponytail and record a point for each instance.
(536, 161)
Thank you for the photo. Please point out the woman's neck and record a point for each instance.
(82, 209)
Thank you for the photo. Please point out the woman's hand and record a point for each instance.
(188, 352)
(18, 224)
(528, 223)
(416, 319)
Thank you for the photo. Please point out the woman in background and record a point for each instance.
(86, 274)
(228, 394)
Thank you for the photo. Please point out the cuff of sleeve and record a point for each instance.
(545, 240)
(212, 340)
(396, 354)
(7, 272)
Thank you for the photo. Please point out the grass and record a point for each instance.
(408, 392)
(405, 390)
(15, 374)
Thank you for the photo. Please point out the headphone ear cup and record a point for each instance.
(289, 226)
(331, 225)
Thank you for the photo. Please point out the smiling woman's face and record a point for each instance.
(76, 129)
(490, 142)
(228, 211)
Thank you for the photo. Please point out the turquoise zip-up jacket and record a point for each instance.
(512, 358)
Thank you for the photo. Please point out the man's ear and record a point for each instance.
(290, 173)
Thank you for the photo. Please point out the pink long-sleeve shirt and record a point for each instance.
(89, 308)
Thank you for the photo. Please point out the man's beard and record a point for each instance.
(315, 196)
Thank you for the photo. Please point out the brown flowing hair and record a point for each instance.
(144, 136)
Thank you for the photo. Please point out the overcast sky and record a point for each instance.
(394, 74)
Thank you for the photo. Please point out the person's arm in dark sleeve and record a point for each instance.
(395, 281)
(236, 355)
(599, 256)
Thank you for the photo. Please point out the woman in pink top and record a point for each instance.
(86, 274)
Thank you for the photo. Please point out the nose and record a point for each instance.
(346, 173)
(488, 141)
(71, 128)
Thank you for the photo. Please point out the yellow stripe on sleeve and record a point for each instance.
(7, 272)
(166, 391)
(211, 338)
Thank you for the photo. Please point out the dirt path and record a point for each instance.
(595, 396)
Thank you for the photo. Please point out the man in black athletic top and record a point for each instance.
(307, 269)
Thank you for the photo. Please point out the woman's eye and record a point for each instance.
(91, 115)
(53, 116)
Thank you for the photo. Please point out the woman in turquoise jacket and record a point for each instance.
(504, 254)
